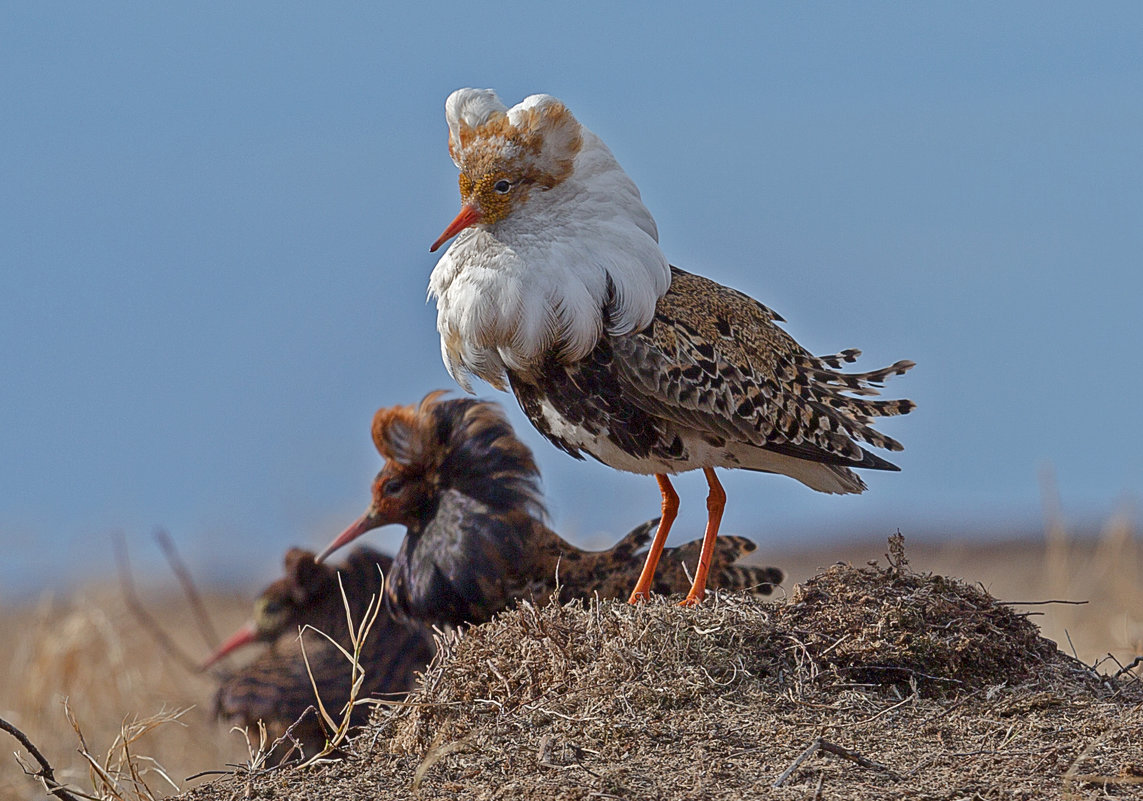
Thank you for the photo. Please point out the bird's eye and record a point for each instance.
(393, 486)
(502, 187)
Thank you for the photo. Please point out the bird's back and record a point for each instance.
(471, 563)
(715, 358)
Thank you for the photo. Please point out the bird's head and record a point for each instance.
(462, 445)
(281, 605)
(504, 154)
(407, 439)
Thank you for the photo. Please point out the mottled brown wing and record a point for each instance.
(677, 566)
(586, 574)
(275, 689)
(612, 573)
(714, 360)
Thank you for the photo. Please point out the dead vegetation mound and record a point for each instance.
(893, 626)
(873, 683)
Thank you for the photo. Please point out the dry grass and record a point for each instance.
(1105, 571)
(339, 725)
(939, 636)
(88, 649)
(873, 683)
(119, 687)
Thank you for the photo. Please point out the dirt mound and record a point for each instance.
(870, 683)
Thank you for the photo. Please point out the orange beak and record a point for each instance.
(244, 636)
(367, 522)
(468, 216)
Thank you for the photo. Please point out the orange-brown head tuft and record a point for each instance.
(406, 434)
(503, 154)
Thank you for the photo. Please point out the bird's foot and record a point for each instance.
(693, 599)
(638, 597)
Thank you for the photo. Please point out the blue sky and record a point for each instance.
(215, 220)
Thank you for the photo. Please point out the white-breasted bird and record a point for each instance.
(556, 288)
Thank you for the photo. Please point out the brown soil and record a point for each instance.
(870, 683)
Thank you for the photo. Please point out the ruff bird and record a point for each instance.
(467, 491)
(276, 688)
(556, 288)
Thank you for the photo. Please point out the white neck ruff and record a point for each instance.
(508, 293)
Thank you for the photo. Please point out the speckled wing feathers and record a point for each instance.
(713, 360)
(676, 569)
(611, 573)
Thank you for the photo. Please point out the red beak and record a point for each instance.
(468, 216)
(244, 636)
(367, 522)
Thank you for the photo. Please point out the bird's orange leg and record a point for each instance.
(670, 510)
(715, 503)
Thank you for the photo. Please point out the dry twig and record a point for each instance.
(820, 744)
(1130, 666)
(358, 633)
(1040, 603)
(435, 754)
(205, 625)
(120, 768)
(136, 607)
(45, 774)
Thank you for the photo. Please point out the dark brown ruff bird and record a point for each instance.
(467, 491)
(276, 687)
(556, 287)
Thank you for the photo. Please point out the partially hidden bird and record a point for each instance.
(276, 687)
(466, 489)
(556, 288)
